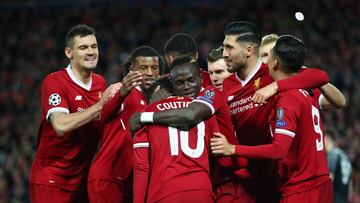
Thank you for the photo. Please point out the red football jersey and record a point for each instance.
(216, 101)
(297, 116)
(63, 161)
(250, 119)
(176, 160)
(114, 159)
(205, 77)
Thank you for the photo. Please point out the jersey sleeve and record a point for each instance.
(141, 166)
(53, 96)
(211, 97)
(287, 114)
(111, 107)
(308, 78)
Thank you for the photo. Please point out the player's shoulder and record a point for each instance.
(295, 96)
(55, 77)
(168, 103)
(98, 78)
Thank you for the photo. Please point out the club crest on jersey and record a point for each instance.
(54, 99)
(280, 116)
(257, 84)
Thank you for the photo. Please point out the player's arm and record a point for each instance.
(308, 78)
(333, 98)
(276, 150)
(141, 166)
(67, 122)
(130, 81)
(188, 116)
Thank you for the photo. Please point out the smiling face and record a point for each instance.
(84, 54)
(149, 67)
(218, 73)
(234, 54)
(186, 80)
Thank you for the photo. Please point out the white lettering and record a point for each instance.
(172, 105)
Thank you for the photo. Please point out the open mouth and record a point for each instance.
(190, 94)
(148, 81)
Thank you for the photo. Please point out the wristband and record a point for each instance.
(147, 117)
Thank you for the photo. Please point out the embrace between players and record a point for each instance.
(256, 136)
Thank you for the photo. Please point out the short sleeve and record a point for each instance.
(211, 97)
(287, 113)
(53, 96)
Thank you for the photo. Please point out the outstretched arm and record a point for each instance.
(308, 78)
(333, 98)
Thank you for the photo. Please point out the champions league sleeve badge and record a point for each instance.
(280, 116)
(54, 99)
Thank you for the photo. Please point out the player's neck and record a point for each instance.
(82, 74)
(249, 67)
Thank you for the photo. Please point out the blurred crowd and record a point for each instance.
(33, 39)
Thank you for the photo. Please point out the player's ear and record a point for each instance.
(68, 53)
(249, 50)
(276, 65)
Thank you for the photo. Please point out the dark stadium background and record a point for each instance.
(33, 37)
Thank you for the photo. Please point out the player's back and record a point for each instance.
(179, 158)
(305, 165)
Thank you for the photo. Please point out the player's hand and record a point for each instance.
(135, 123)
(219, 145)
(263, 94)
(131, 80)
(110, 92)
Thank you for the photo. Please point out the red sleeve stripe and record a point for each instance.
(285, 132)
(141, 145)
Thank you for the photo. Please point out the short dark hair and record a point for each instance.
(181, 60)
(215, 54)
(246, 31)
(291, 53)
(181, 44)
(164, 83)
(81, 30)
(146, 51)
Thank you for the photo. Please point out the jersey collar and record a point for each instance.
(77, 80)
(251, 75)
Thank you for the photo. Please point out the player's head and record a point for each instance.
(180, 44)
(81, 47)
(242, 41)
(185, 76)
(147, 61)
(217, 68)
(160, 89)
(287, 56)
(330, 139)
(267, 43)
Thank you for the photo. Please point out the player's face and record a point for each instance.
(265, 51)
(84, 53)
(272, 62)
(234, 54)
(186, 81)
(149, 67)
(218, 73)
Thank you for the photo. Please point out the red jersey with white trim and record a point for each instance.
(114, 159)
(297, 116)
(216, 101)
(63, 161)
(176, 160)
(250, 119)
(205, 78)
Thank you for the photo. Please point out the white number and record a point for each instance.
(316, 115)
(184, 141)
